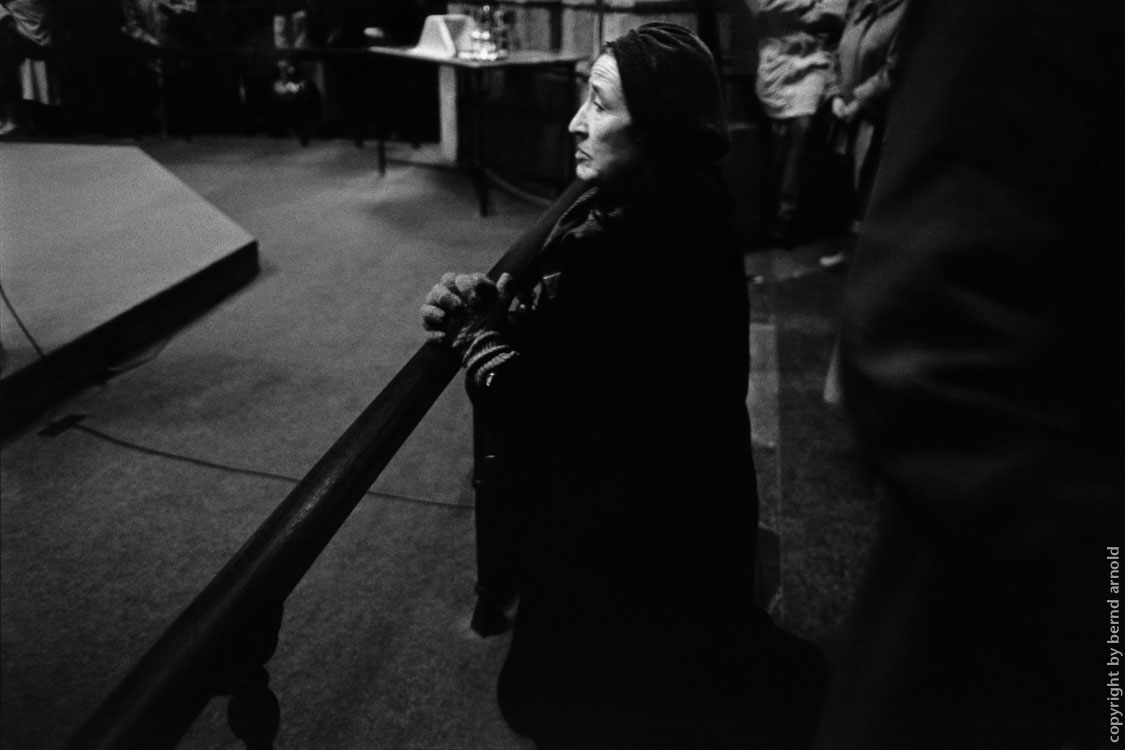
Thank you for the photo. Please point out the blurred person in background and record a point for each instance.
(796, 68)
(26, 80)
(867, 58)
(172, 83)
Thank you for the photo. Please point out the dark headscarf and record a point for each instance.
(672, 90)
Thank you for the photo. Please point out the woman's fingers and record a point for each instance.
(504, 288)
(433, 318)
(474, 288)
(459, 299)
(441, 296)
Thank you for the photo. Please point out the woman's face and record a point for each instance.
(603, 129)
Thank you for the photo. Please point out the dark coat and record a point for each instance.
(626, 420)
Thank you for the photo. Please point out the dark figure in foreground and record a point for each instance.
(619, 390)
(983, 364)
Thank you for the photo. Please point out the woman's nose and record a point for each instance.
(577, 124)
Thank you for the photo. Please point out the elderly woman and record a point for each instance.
(619, 387)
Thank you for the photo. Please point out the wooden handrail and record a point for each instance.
(226, 629)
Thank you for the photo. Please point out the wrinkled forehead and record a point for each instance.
(606, 78)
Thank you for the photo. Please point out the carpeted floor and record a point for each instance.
(111, 527)
(827, 501)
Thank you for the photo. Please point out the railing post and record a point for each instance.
(253, 711)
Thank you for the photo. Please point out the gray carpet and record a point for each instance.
(826, 502)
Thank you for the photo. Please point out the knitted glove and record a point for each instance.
(462, 307)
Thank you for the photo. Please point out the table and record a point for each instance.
(472, 72)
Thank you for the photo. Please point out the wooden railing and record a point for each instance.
(221, 642)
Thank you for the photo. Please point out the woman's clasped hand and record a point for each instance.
(462, 305)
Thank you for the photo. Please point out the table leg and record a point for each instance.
(449, 87)
(476, 103)
(356, 107)
(380, 116)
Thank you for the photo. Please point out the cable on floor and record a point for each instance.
(152, 353)
(73, 421)
(238, 470)
(19, 322)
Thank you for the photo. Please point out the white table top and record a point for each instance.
(520, 58)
